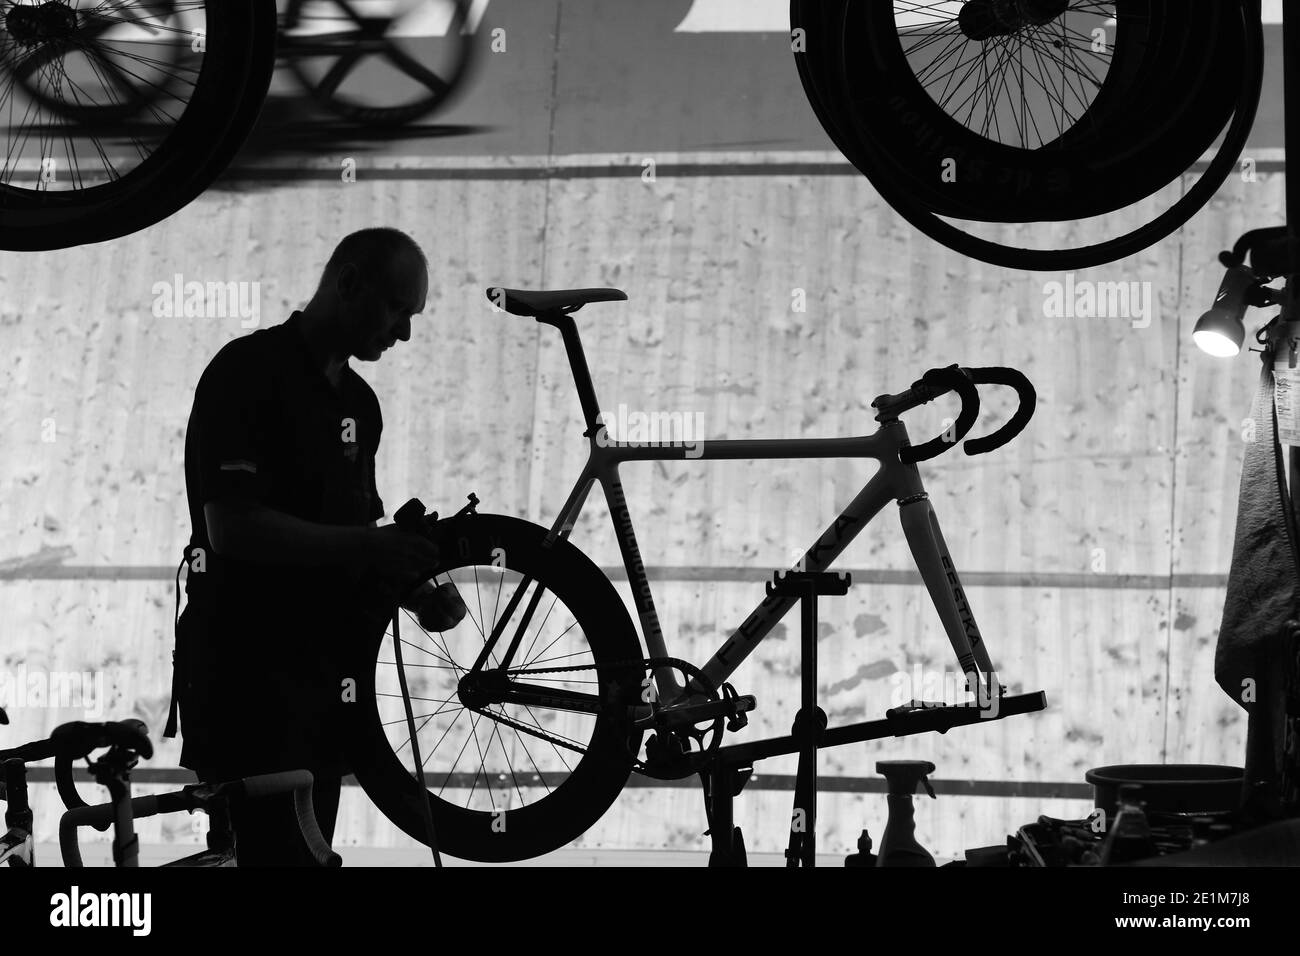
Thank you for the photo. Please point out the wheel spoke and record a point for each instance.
(333, 79)
(1023, 83)
(416, 70)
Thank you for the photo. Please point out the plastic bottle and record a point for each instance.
(864, 856)
(898, 846)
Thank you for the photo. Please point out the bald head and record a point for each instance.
(379, 254)
(374, 281)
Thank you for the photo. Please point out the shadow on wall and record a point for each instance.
(292, 125)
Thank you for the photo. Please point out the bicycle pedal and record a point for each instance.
(737, 720)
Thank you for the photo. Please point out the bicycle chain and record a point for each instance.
(645, 663)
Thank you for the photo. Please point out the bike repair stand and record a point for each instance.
(724, 779)
(113, 771)
(810, 722)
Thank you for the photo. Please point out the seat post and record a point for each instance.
(578, 363)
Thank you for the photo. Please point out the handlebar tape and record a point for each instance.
(67, 786)
(270, 784)
(934, 384)
(101, 817)
(300, 782)
(316, 843)
(1028, 400)
(13, 790)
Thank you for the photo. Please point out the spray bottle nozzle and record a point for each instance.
(904, 776)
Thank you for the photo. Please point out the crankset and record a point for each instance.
(685, 730)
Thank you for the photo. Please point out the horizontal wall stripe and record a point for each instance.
(271, 174)
(1045, 790)
(278, 174)
(989, 579)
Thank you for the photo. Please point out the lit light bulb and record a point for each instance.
(1221, 331)
(1214, 342)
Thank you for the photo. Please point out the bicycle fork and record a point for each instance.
(930, 551)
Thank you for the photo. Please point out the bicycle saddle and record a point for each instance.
(521, 302)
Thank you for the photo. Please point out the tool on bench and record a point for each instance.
(898, 847)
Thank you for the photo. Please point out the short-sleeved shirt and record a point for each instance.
(263, 640)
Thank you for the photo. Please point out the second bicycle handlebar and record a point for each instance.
(72, 741)
(938, 382)
(299, 782)
(78, 738)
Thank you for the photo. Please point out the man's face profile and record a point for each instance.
(377, 309)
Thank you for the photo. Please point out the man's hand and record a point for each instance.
(436, 607)
(397, 553)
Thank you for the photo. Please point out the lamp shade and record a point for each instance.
(1219, 334)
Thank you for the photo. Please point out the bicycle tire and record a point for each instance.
(822, 72)
(566, 811)
(1051, 260)
(1104, 162)
(223, 109)
(1156, 112)
(390, 116)
(822, 89)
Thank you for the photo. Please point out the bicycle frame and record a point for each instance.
(894, 481)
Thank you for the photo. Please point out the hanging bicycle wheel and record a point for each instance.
(506, 780)
(383, 64)
(76, 167)
(912, 100)
(1038, 110)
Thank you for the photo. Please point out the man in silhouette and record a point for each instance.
(280, 477)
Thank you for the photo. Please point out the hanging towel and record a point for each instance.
(1263, 593)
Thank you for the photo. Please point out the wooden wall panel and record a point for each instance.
(1135, 451)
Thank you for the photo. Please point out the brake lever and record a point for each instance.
(1028, 400)
(79, 738)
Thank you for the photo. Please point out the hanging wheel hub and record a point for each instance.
(985, 19)
(47, 23)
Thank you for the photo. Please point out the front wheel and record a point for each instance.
(507, 777)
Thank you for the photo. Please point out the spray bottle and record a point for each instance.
(898, 846)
